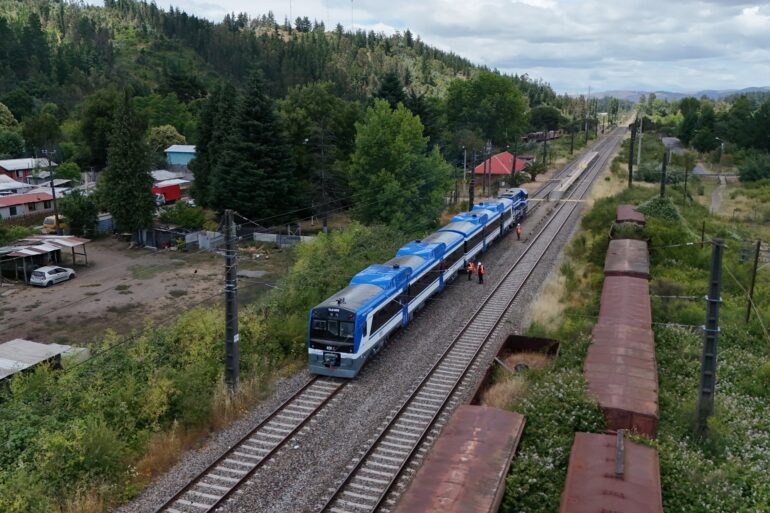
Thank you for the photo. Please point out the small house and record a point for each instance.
(23, 169)
(10, 186)
(180, 154)
(20, 205)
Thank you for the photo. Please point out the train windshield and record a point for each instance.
(333, 330)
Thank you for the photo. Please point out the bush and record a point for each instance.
(81, 212)
(182, 214)
(627, 231)
(662, 208)
(10, 233)
(755, 167)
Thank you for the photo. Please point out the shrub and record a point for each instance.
(662, 208)
(182, 214)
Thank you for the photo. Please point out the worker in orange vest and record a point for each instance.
(481, 272)
(471, 268)
(518, 231)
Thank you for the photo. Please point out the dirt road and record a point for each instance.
(120, 289)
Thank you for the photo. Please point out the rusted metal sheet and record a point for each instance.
(626, 300)
(621, 372)
(466, 468)
(629, 214)
(627, 257)
(605, 476)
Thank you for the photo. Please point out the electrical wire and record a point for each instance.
(750, 300)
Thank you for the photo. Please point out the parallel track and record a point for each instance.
(230, 471)
(217, 482)
(377, 479)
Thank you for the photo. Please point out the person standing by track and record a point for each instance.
(518, 231)
(471, 268)
(481, 272)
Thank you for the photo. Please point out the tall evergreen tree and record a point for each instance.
(213, 125)
(253, 173)
(391, 89)
(127, 185)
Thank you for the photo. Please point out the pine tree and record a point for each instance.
(127, 185)
(253, 172)
(391, 89)
(211, 128)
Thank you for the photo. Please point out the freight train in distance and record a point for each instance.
(353, 324)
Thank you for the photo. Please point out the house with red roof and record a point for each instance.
(500, 165)
(23, 169)
(19, 205)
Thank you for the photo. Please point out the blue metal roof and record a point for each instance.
(352, 297)
(464, 228)
(480, 217)
(415, 264)
(383, 276)
(424, 249)
(497, 205)
(451, 239)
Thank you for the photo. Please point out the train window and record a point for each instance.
(346, 329)
(319, 325)
(332, 327)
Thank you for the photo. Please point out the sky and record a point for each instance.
(669, 45)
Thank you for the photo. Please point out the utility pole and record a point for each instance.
(488, 168)
(232, 351)
(49, 154)
(465, 166)
(631, 156)
(641, 137)
(663, 174)
(753, 279)
(484, 173)
(708, 361)
(472, 188)
(513, 162)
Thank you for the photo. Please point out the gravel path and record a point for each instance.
(300, 475)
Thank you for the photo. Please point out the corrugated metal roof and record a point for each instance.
(19, 354)
(626, 300)
(627, 257)
(23, 164)
(592, 485)
(20, 199)
(40, 244)
(465, 470)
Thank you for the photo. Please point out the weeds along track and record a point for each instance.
(376, 479)
(234, 468)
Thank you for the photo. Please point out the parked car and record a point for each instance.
(48, 275)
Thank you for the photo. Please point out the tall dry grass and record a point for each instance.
(533, 360)
(548, 308)
(503, 394)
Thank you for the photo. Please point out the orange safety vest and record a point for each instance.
(481, 269)
(470, 267)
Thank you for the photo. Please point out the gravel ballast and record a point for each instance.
(305, 471)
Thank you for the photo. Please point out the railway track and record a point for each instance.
(375, 481)
(230, 471)
(217, 482)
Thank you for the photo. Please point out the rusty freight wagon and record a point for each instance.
(465, 470)
(626, 300)
(627, 257)
(629, 214)
(607, 473)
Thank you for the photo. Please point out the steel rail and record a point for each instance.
(267, 438)
(336, 503)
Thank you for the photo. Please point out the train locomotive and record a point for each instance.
(355, 323)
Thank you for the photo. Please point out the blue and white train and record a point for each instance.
(353, 324)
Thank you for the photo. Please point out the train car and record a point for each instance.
(425, 279)
(472, 234)
(350, 326)
(480, 218)
(520, 199)
(503, 208)
(347, 328)
(453, 258)
(611, 474)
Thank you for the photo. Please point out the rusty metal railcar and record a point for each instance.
(466, 468)
(621, 372)
(627, 257)
(610, 474)
(626, 300)
(629, 214)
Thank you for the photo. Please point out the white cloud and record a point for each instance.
(654, 44)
